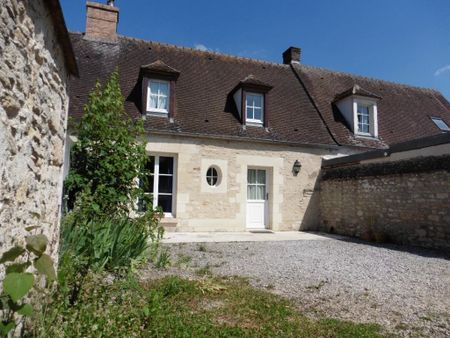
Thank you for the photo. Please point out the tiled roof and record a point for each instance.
(403, 111)
(300, 103)
(204, 104)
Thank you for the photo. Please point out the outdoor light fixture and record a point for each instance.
(296, 168)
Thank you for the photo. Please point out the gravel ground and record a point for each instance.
(408, 292)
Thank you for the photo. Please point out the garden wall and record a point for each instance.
(406, 202)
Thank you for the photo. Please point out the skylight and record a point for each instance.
(440, 123)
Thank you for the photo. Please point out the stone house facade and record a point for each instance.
(237, 144)
(36, 61)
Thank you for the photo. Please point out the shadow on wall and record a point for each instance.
(311, 217)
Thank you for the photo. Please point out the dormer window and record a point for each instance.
(359, 108)
(364, 112)
(158, 96)
(158, 89)
(250, 97)
(440, 123)
(254, 107)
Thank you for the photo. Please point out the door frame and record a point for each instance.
(267, 197)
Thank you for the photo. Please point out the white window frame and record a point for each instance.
(156, 175)
(373, 118)
(436, 121)
(254, 121)
(158, 111)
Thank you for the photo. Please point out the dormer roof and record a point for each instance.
(356, 90)
(158, 67)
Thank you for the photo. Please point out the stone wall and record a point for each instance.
(406, 202)
(33, 114)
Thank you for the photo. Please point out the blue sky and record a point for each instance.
(406, 41)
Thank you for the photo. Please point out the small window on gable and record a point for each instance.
(158, 96)
(254, 107)
(440, 123)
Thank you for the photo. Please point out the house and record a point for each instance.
(237, 144)
(35, 65)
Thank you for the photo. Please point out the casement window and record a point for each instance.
(160, 182)
(158, 96)
(254, 108)
(363, 119)
(440, 123)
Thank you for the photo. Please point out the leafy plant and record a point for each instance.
(18, 283)
(107, 157)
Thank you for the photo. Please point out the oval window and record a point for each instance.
(212, 177)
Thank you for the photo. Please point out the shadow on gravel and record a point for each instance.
(424, 252)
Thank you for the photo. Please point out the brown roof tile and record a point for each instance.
(403, 112)
(203, 90)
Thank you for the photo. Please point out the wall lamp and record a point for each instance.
(296, 168)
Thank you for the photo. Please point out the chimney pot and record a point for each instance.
(102, 20)
(291, 55)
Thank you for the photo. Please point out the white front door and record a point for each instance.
(257, 198)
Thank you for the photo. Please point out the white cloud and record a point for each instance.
(442, 70)
(201, 47)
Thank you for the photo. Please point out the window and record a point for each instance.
(254, 107)
(160, 182)
(212, 177)
(440, 123)
(363, 114)
(256, 184)
(158, 96)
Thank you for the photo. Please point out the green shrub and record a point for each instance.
(107, 243)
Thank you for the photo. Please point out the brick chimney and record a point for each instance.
(102, 20)
(291, 55)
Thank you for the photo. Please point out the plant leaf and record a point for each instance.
(18, 267)
(12, 254)
(5, 327)
(37, 244)
(44, 265)
(25, 310)
(17, 285)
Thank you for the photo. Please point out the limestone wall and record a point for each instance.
(33, 114)
(406, 202)
(292, 201)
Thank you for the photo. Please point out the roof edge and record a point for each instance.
(62, 35)
(419, 143)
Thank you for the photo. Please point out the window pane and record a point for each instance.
(162, 103)
(251, 176)
(258, 114)
(154, 87)
(250, 113)
(146, 183)
(261, 177)
(166, 165)
(257, 99)
(153, 101)
(165, 202)
(165, 184)
(261, 192)
(164, 88)
(251, 192)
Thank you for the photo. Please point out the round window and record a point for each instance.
(212, 177)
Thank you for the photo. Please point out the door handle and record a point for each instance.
(267, 196)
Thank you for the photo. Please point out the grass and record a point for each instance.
(176, 307)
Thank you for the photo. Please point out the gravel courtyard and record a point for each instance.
(407, 292)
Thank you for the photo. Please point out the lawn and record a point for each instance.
(176, 307)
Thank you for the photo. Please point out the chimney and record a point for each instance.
(291, 55)
(102, 20)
